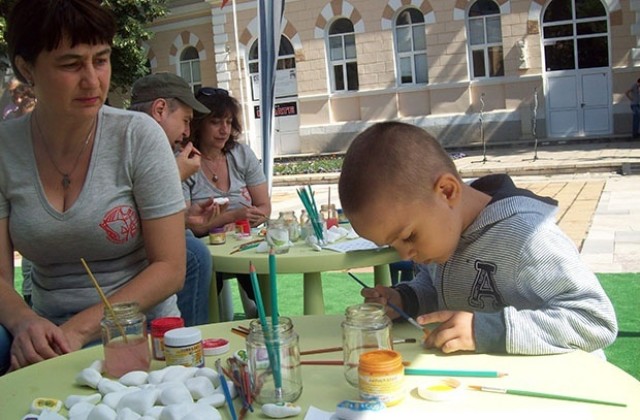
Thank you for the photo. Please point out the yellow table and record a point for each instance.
(576, 373)
(302, 259)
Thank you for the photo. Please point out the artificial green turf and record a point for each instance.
(340, 291)
(624, 290)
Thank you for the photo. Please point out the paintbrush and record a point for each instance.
(335, 349)
(245, 247)
(400, 312)
(226, 391)
(105, 301)
(542, 395)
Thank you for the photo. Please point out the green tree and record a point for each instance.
(128, 58)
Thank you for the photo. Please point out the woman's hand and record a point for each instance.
(455, 333)
(382, 295)
(200, 215)
(38, 339)
(253, 215)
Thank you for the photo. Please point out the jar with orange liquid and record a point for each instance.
(124, 336)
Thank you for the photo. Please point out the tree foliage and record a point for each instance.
(128, 57)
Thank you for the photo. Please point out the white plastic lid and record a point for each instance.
(182, 337)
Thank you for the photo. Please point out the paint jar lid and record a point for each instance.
(215, 346)
(440, 389)
(160, 326)
(182, 337)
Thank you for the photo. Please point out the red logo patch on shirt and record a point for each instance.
(120, 224)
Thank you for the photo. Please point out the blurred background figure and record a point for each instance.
(6, 100)
(23, 100)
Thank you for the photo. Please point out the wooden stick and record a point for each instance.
(318, 351)
(239, 332)
(322, 362)
(243, 328)
(105, 301)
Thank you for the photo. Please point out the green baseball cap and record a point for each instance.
(165, 85)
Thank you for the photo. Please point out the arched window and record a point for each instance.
(343, 64)
(190, 68)
(286, 56)
(485, 39)
(286, 61)
(575, 35)
(411, 48)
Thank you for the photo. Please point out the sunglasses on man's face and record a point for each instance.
(211, 91)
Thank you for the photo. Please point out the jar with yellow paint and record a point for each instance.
(381, 376)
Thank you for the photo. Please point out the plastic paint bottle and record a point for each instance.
(381, 376)
(159, 327)
(217, 236)
(183, 346)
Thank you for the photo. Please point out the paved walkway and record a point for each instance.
(599, 208)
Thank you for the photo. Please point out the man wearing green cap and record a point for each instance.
(169, 100)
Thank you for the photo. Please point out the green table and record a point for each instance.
(576, 373)
(302, 259)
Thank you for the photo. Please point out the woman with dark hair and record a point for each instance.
(228, 169)
(107, 189)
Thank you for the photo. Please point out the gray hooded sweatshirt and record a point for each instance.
(522, 278)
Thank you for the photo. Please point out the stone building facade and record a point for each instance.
(467, 71)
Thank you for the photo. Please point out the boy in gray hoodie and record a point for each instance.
(494, 269)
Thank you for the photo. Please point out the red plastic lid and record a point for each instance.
(162, 325)
(215, 346)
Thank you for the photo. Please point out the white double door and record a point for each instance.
(578, 102)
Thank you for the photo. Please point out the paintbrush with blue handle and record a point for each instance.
(392, 306)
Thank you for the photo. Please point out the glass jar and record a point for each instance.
(290, 221)
(303, 217)
(365, 328)
(124, 336)
(304, 220)
(278, 236)
(308, 230)
(285, 352)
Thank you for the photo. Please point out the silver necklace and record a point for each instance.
(214, 176)
(66, 176)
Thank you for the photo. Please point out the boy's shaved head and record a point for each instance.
(398, 160)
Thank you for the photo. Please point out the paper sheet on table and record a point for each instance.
(435, 413)
(314, 413)
(352, 245)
